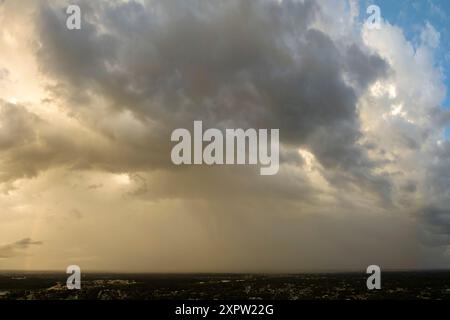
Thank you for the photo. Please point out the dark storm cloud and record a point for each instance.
(13, 249)
(228, 63)
(435, 221)
(439, 219)
(364, 68)
(434, 215)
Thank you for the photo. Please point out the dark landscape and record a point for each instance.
(433, 285)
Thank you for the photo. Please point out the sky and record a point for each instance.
(86, 118)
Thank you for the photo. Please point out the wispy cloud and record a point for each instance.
(16, 248)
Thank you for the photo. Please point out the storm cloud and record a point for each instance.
(357, 133)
